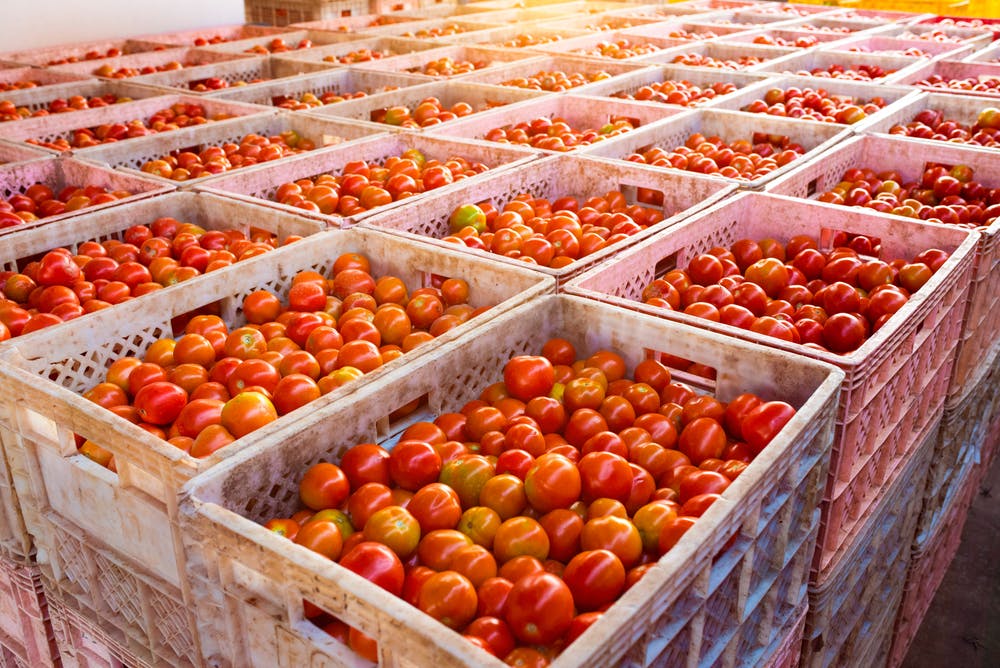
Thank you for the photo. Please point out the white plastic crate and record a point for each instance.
(132, 155)
(36, 99)
(123, 566)
(590, 45)
(62, 126)
(551, 178)
(516, 36)
(481, 97)
(359, 23)
(58, 173)
(823, 40)
(814, 136)
(988, 54)
(251, 45)
(909, 157)
(336, 55)
(894, 384)
(699, 76)
(804, 63)
(260, 184)
(524, 69)
(726, 604)
(483, 56)
(700, 31)
(896, 97)
(341, 81)
(952, 70)
(893, 46)
(977, 37)
(227, 33)
(885, 16)
(410, 29)
(285, 12)
(16, 79)
(606, 22)
(89, 51)
(839, 23)
(963, 109)
(18, 153)
(662, 12)
(723, 52)
(787, 10)
(188, 57)
(580, 112)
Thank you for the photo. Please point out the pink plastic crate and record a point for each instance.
(187, 57)
(591, 45)
(284, 12)
(928, 566)
(483, 57)
(788, 10)
(37, 100)
(381, 47)
(10, 153)
(242, 73)
(58, 173)
(787, 654)
(260, 184)
(977, 37)
(82, 51)
(434, 29)
(282, 44)
(606, 22)
(882, 15)
(703, 77)
(342, 81)
(908, 157)
(953, 73)
(692, 30)
(852, 611)
(83, 643)
(25, 628)
(555, 177)
(786, 37)
(598, 69)
(803, 63)
(515, 36)
(16, 79)
(358, 24)
(728, 56)
(988, 54)
(218, 34)
(893, 46)
(839, 24)
(895, 383)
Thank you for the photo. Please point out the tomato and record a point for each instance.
(294, 391)
(322, 537)
(697, 505)
(527, 377)
(595, 578)
(650, 520)
(520, 536)
(583, 424)
(563, 527)
(435, 506)
(413, 464)
(526, 438)
(605, 475)
(660, 428)
(615, 534)
(516, 462)
(673, 531)
(770, 273)
(702, 482)
(736, 410)
(363, 645)
(367, 499)
(450, 598)
(438, 548)
(539, 609)
(493, 595)
(583, 393)
(211, 438)
(466, 475)
(609, 362)
(324, 485)
(526, 657)
(198, 414)
(396, 527)
(245, 343)
(581, 623)
(495, 632)
(159, 403)
(376, 563)
(107, 395)
(701, 439)
(504, 493)
(480, 524)
(414, 582)
(247, 412)
(553, 482)
(763, 423)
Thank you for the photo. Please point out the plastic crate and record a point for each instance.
(589, 45)
(813, 136)
(58, 173)
(951, 70)
(699, 76)
(929, 564)
(887, 16)
(839, 23)
(25, 629)
(188, 57)
(515, 36)
(524, 69)
(608, 21)
(284, 12)
(908, 157)
(895, 383)
(413, 63)
(896, 97)
(389, 7)
(11, 153)
(109, 542)
(360, 23)
(62, 126)
(661, 12)
(824, 40)
(989, 54)
(341, 81)
(893, 46)
(789, 649)
(976, 37)
(83, 643)
(803, 63)
(291, 38)
(44, 56)
(551, 178)
(228, 33)
(387, 45)
(852, 611)
(130, 156)
(724, 52)
(694, 601)
(35, 79)
(35, 99)
(788, 10)
(409, 29)
(699, 31)
(580, 112)
(480, 97)
(260, 184)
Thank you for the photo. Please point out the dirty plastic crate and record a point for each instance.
(243, 72)
(523, 69)
(696, 605)
(132, 155)
(83, 643)
(58, 173)
(804, 63)
(35, 99)
(814, 136)
(887, 16)
(481, 97)
(551, 178)
(589, 45)
(699, 76)
(190, 58)
(951, 70)
(579, 111)
(62, 126)
(260, 184)
(11, 153)
(663, 12)
(787, 654)
(989, 54)
(893, 46)
(284, 12)
(228, 33)
(415, 62)
(25, 628)
(44, 56)
(724, 52)
(895, 382)
(896, 97)
(976, 37)
(341, 81)
(908, 157)
(787, 10)
(389, 46)
(852, 611)
(928, 566)
(35, 79)
(122, 564)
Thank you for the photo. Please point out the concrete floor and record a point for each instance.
(962, 626)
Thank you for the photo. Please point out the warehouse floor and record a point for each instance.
(962, 626)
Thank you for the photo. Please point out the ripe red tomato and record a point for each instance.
(764, 422)
(495, 632)
(376, 563)
(595, 577)
(160, 403)
(539, 609)
(605, 475)
(520, 536)
(366, 462)
(450, 598)
(324, 485)
(413, 464)
(702, 438)
(435, 506)
(553, 482)
(527, 377)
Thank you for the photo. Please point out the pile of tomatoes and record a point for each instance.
(429, 111)
(795, 292)
(278, 45)
(180, 115)
(620, 49)
(252, 149)
(552, 233)
(678, 91)
(520, 519)
(6, 86)
(932, 124)
(434, 33)
(558, 134)
(448, 67)
(11, 112)
(556, 81)
(978, 84)
(39, 201)
(64, 285)
(361, 186)
(213, 385)
(311, 100)
(359, 56)
(109, 71)
(815, 104)
(699, 60)
(860, 72)
(741, 159)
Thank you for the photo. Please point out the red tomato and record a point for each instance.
(160, 403)
(396, 527)
(435, 506)
(673, 531)
(450, 598)
(553, 482)
(702, 438)
(321, 536)
(527, 377)
(539, 609)
(493, 597)
(324, 485)
(563, 527)
(495, 632)
(702, 482)
(595, 577)
(762, 424)
(615, 534)
(376, 563)
(520, 536)
(365, 463)
(413, 464)
(605, 475)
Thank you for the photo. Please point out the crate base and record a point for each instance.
(26, 633)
